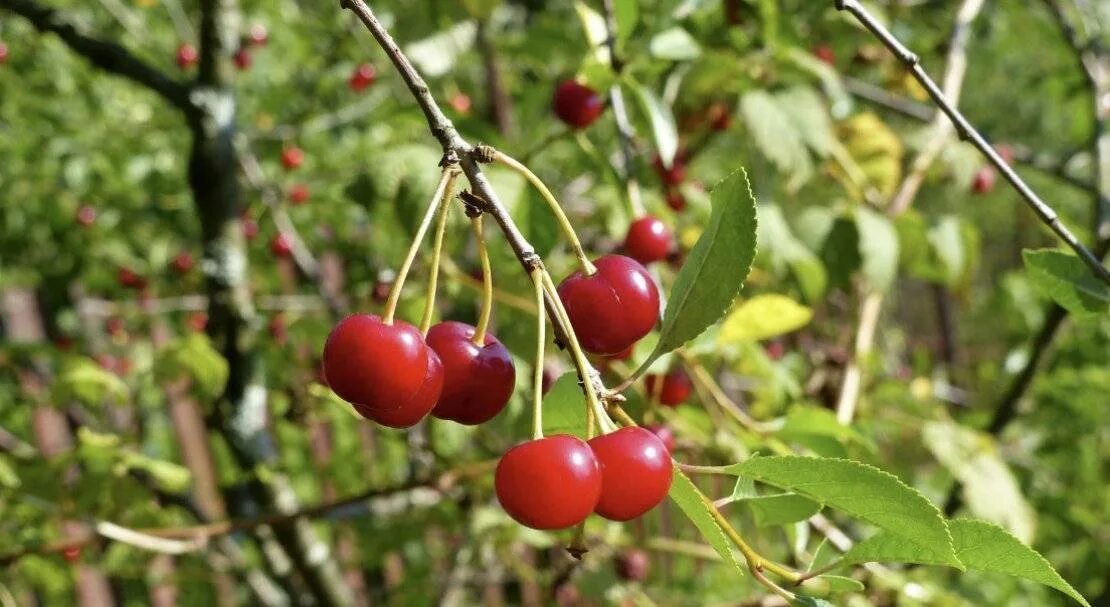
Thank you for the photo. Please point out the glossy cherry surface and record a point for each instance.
(363, 76)
(186, 56)
(549, 483)
(183, 262)
(243, 59)
(664, 433)
(635, 472)
(477, 381)
(648, 240)
(614, 308)
(673, 175)
(576, 104)
(676, 200)
(418, 407)
(258, 35)
(282, 245)
(130, 279)
(375, 366)
(675, 390)
(984, 180)
(298, 194)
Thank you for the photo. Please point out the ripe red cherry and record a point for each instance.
(547, 382)
(675, 389)
(186, 56)
(612, 309)
(378, 367)
(292, 157)
(298, 194)
(250, 228)
(183, 262)
(363, 76)
(282, 245)
(984, 180)
(720, 116)
(648, 240)
(242, 59)
(632, 565)
(576, 104)
(71, 554)
(128, 278)
(461, 103)
(3, 53)
(676, 200)
(665, 434)
(420, 405)
(381, 291)
(775, 349)
(635, 472)
(674, 175)
(477, 381)
(549, 483)
(197, 321)
(86, 216)
(825, 53)
(258, 35)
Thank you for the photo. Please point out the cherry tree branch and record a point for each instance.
(967, 132)
(108, 56)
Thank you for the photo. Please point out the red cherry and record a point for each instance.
(421, 403)
(648, 240)
(477, 381)
(624, 354)
(363, 76)
(825, 53)
(547, 381)
(549, 483)
(460, 102)
(298, 194)
(632, 565)
(3, 53)
(674, 175)
(614, 308)
(720, 116)
(258, 36)
(378, 367)
(277, 328)
(183, 262)
(381, 291)
(1006, 151)
(665, 434)
(187, 56)
(250, 228)
(576, 104)
(282, 245)
(292, 157)
(675, 390)
(635, 472)
(984, 180)
(71, 554)
(107, 362)
(676, 200)
(129, 279)
(86, 216)
(198, 321)
(774, 349)
(242, 59)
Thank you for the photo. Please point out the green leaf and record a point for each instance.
(785, 250)
(863, 491)
(809, 601)
(764, 317)
(663, 127)
(986, 547)
(840, 583)
(85, 381)
(627, 13)
(885, 547)
(782, 509)
(878, 248)
(167, 475)
(194, 357)
(1067, 280)
(564, 408)
(946, 240)
(675, 44)
(776, 135)
(803, 421)
(690, 501)
(714, 270)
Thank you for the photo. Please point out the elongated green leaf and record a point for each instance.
(771, 510)
(627, 13)
(564, 407)
(1068, 281)
(986, 547)
(776, 135)
(803, 421)
(863, 491)
(884, 547)
(764, 317)
(675, 44)
(686, 495)
(810, 601)
(878, 248)
(663, 127)
(85, 381)
(714, 270)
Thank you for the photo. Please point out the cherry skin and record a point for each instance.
(242, 59)
(549, 483)
(3, 53)
(363, 76)
(282, 245)
(612, 309)
(250, 228)
(648, 240)
(674, 175)
(675, 390)
(375, 366)
(984, 180)
(421, 403)
(825, 53)
(197, 321)
(665, 434)
(676, 200)
(86, 216)
(720, 116)
(298, 194)
(548, 380)
(183, 262)
(128, 278)
(632, 565)
(292, 158)
(187, 56)
(477, 381)
(576, 104)
(635, 472)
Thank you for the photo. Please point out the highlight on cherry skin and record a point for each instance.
(636, 472)
(478, 380)
(576, 104)
(612, 309)
(549, 483)
(648, 240)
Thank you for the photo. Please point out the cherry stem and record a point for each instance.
(433, 273)
(446, 180)
(487, 284)
(568, 230)
(541, 342)
(581, 363)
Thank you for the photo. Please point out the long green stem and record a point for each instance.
(446, 180)
(541, 343)
(433, 273)
(581, 363)
(487, 283)
(568, 230)
(754, 559)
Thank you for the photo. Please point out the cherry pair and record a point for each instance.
(394, 377)
(556, 482)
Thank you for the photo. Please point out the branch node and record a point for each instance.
(475, 205)
(450, 158)
(532, 262)
(484, 154)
